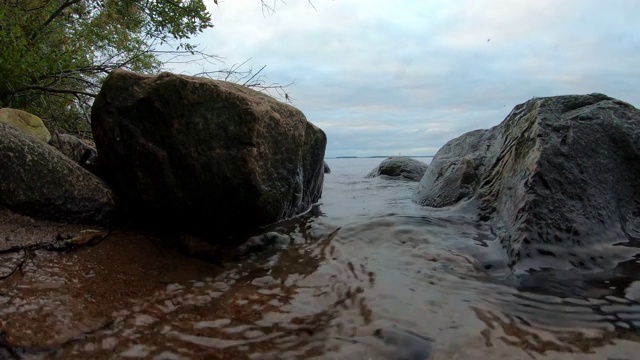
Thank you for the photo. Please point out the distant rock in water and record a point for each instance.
(327, 169)
(558, 180)
(210, 157)
(400, 167)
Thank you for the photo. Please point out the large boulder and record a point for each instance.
(37, 180)
(558, 181)
(25, 122)
(399, 167)
(204, 156)
(456, 171)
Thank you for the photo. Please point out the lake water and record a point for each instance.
(366, 275)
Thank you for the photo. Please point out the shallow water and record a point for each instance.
(367, 275)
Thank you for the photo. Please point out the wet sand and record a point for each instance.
(59, 297)
(20, 231)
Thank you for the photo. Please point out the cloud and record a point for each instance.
(386, 78)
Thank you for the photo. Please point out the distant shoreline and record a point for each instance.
(378, 157)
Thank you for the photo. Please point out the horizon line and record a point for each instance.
(375, 156)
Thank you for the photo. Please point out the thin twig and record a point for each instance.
(54, 90)
(256, 74)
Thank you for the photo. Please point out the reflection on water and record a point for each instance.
(378, 278)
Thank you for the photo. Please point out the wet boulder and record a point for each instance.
(25, 122)
(399, 167)
(38, 181)
(210, 157)
(456, 171)
(558, 181)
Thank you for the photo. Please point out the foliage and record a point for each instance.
(56, 52)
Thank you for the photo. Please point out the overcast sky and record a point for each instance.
(388, 78)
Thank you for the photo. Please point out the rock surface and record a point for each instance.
(327, 169)
(26, 122)
(211, 157)
(457, 169)
(38, 181)
(558, 180)
(400, 167)
(79, 150)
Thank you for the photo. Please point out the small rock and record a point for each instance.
(327, 169)
(75, 148)
(400, 167)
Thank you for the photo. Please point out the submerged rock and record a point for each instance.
(558, 180)
(396, 344)
(25, 122)
(37, 180)
(205, 156)
(400, 167)
(404, 344)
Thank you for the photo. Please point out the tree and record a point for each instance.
(55, 53)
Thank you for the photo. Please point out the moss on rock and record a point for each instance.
(25, 122)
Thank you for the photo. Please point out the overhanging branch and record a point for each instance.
(53, 90)
(57, 13)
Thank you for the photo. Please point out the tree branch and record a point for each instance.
(54, 90)
(254, 75)
(57, 13)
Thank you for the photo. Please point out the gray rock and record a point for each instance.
(208, 157)
(327, 169)
(455, 172)
(399, 167)
(74, 148)
(558, 180)
(37, 180)
(269, 243)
